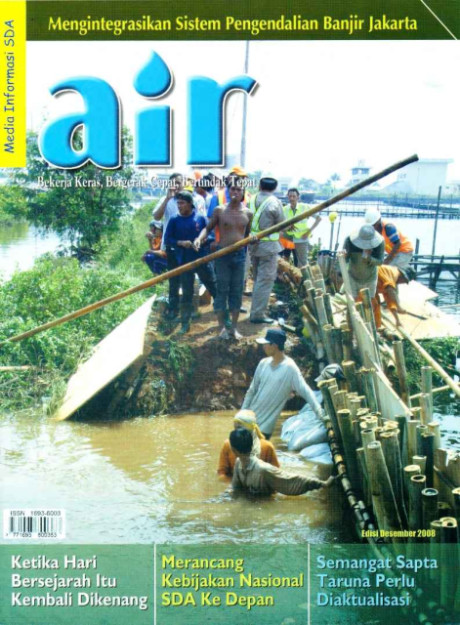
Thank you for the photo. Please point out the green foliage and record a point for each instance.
(78, 203)
(13, 204)
(180, 359)
(53, 288)
(442, 350)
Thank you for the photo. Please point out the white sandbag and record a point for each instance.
(302, 422)
(306, 437)
(317, 453)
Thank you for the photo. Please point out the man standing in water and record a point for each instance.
(261, 478)
(234, 223)
(276, 377)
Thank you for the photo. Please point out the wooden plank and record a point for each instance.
(113, 355)
(414, 298)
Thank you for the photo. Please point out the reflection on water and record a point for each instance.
(153, 480)
(21, 244)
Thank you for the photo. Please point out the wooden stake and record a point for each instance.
(412, 449)
(390, 447)
(421, 461)
(427, 385)
(346, 427)
(402, 372)
(382, 492)
(425, 406)
(449, 563)
(427, 451)
(416, 485)
(408, 472)
(429, 506)
(349, 370)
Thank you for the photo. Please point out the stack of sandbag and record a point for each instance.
(305, 433)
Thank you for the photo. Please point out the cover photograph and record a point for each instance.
(229, 289)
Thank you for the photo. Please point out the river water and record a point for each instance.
(154, 480)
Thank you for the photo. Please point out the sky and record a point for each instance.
(319, 108)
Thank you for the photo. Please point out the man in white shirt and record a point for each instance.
(275, 378)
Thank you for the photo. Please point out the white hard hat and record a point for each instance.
(372, 216)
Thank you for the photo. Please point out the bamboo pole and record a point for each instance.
(430, 360)
(428, 452)
(416, 485)
(426, 410)
(435, 428)
(421, 461)
(439, 389)
(349, 370)
(383, 496)
(456, 495)
(369, 316)
(449, 562)
(402, 372)
(223, 252)
(347, 343)
(346, 427)
(408, 472)
(390, 447)
(429, 506)
(427, 384)
(412, 439)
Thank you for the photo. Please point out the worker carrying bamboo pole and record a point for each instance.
(398, 247)
(387, 285)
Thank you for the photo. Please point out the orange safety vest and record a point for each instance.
(406, 245)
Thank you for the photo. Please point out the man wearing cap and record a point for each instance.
(260, 478)
(398, 247)
(262, 448)
(364, 250)
(275, 378)
(182, 230)
(267, 211)
(388, 279)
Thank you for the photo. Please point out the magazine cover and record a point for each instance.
(229, 289)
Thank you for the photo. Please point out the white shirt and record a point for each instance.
(270, 389)
(171, 210)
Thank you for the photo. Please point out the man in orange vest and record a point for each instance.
(398, 247)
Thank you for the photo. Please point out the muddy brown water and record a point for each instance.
(148, 480)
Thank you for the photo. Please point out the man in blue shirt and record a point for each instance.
(180, 233)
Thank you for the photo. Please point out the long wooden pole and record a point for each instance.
(430, 360)
(223, 252)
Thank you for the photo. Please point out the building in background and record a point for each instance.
(421, 178)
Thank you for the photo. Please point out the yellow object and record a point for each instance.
(13, 72)
(333, 217)
(306, 333)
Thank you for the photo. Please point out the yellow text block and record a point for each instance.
(13, 84)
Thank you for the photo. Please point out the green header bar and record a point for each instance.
(139, 20)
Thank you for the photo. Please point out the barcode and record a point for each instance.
(34, 524)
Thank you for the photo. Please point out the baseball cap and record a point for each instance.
(273, 336)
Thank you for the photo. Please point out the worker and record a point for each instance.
(155, 257)
(398, 247)
(260, 446)
(275, 379)
(260, 478)
(267, 211)
(364, 252)
(234, 223)
(167, 207)
(300, 232)
(387, 285)
(182, 230)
